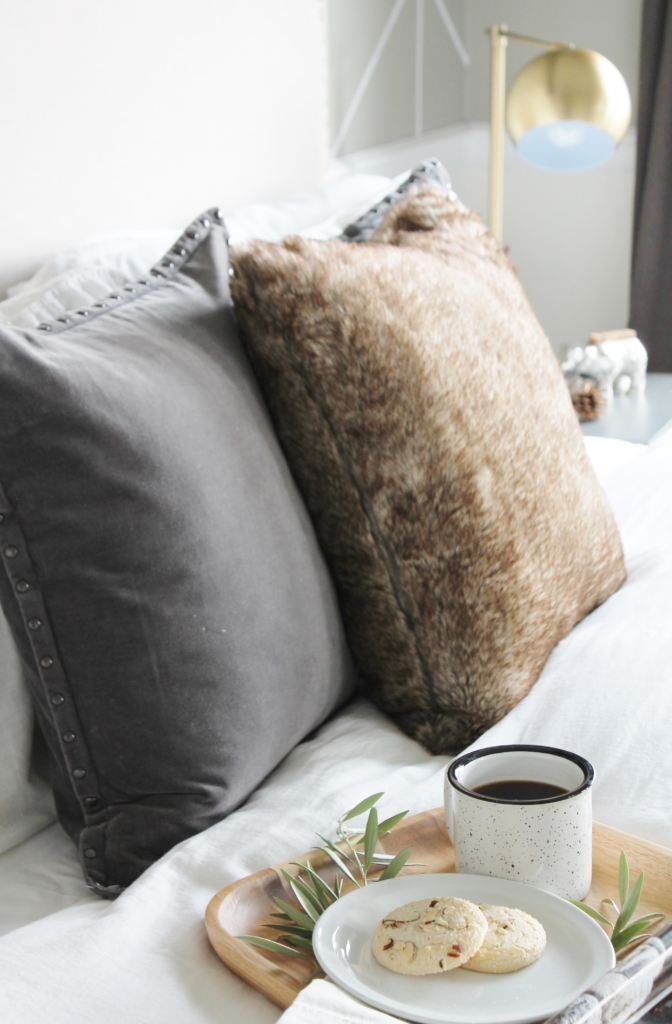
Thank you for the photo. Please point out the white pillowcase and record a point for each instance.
(85, 272)
(26, 803)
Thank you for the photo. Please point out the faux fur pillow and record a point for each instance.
(428, 425)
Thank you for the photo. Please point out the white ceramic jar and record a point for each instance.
(546, 842)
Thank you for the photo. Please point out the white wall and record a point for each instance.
(141, 113)
(387, 111)
(569, 234)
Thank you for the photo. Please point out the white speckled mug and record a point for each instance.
(544, 842)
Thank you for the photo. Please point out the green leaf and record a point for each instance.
(338, 886)
(622, 938)
(296, 915)
(361, 807)
(274, 947)
(370, 837)
(627, 935)
(331, 846)
(293, 929)
(611, 903)
(335, 856)
(389, 823)
(395, 866)
(618, 946)
(628, 908)
(591, 913)
(623, 878)
(298, 940)
(303, 894)
(319, 884)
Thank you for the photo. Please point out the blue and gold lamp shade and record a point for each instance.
(568, 109)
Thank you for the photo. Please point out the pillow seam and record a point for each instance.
(371, 520)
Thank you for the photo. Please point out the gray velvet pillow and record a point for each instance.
(162, 579)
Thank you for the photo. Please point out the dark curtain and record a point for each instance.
(651, 290)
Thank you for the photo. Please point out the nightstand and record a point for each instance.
(637, 417)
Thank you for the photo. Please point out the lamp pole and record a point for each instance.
(499, 36)
(498, 42)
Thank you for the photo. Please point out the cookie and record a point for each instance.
(429, 936)
(513, 940)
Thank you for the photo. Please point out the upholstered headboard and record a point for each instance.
(142, 113)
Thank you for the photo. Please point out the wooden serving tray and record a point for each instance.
(244, 908)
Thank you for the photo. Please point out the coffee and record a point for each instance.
(520, 790)
(522, 812)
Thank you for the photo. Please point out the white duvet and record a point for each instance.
(145, 959)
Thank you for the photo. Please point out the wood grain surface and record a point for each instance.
(244, 908)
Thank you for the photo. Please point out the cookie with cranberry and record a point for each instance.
(429, 936)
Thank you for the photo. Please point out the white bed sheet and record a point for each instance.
(605, 692)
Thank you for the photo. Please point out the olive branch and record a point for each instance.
(622, 933)
(314, 895)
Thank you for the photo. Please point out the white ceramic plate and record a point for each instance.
(577, 953)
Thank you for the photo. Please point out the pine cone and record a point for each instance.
(587, 399)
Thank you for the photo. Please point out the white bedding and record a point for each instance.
(88, 270)
(605, 692)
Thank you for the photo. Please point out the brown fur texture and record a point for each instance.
(431, 432)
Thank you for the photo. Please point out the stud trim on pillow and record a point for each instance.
(60, 701)
(184, 635)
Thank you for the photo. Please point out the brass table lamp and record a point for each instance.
(566, 110)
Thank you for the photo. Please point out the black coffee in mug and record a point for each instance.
(519, 790)
(523, 812)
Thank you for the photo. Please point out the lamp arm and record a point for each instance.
(534, 40)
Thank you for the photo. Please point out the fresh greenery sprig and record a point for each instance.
(314, 895)
(622, 933)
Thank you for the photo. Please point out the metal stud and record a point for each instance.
(44, 327)
(82, 312)
(23, 586)
(193, 234)
(129, 288)
(2, 518)
(78, 773)
(69, 737)
(46, 661)
(115, 297)
(179, 251)
(34, 623)
(169, 265)
(90, 801)
(205, 222)
(218, 214)
(100, 305)
(11, 551)
(230, 271)
(63, 319)
(90, 853)
(57, 699)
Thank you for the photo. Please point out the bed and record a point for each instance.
(65, 954)
(604, 692)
